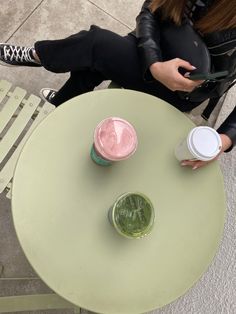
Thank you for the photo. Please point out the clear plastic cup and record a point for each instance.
(202, 143)
(115, 139)
(132, 215)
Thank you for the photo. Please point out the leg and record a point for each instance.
(79, 82)
(99, 52)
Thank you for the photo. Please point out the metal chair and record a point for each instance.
(18, 118)
(34, 302)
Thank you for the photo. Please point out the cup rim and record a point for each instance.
(150, 225)
(196, 153)
(98, 147)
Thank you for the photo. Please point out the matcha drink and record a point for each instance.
(132, 215)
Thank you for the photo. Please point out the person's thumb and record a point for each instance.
(185, 64)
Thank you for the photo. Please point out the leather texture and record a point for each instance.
(148, 34)
(185, 43)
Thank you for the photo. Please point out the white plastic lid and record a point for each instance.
(204, 142)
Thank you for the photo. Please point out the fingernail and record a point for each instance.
(195, 167)
(193, 67)
(187, 74)
(183, 164)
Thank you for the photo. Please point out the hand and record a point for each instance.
(167, 73)
(226, 143)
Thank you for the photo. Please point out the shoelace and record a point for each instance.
(51, 95)
(17, 53)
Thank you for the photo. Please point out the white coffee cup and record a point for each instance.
(202, 143)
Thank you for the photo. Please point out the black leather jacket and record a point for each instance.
(148, 37)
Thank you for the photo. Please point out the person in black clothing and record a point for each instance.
(135, 61)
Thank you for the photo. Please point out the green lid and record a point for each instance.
(133, 215)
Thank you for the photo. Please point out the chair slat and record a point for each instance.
(18, 126)
(33, 302)
(10, 106)
(6, 173)
(4, 89)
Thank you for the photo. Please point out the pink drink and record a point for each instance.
(115, 139)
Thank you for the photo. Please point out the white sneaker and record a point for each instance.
(48, 94)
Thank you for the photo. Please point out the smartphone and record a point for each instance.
(208, 76)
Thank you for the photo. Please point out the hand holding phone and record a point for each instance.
(207, 76)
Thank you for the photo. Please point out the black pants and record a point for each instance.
(96, 55)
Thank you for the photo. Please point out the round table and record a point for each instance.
(60, 201)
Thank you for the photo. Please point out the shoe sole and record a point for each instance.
(7, 64)
(19, 65)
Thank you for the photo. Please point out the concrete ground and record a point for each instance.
(25, 21)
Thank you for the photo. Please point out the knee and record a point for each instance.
(99, 35)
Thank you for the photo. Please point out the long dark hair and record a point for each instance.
(221, 15)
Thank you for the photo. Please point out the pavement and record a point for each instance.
(25, 21)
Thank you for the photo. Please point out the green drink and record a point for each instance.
(132, 215)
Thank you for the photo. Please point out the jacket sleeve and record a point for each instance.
(228, 127)
(148, 39)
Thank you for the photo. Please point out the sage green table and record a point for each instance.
(61, 199)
